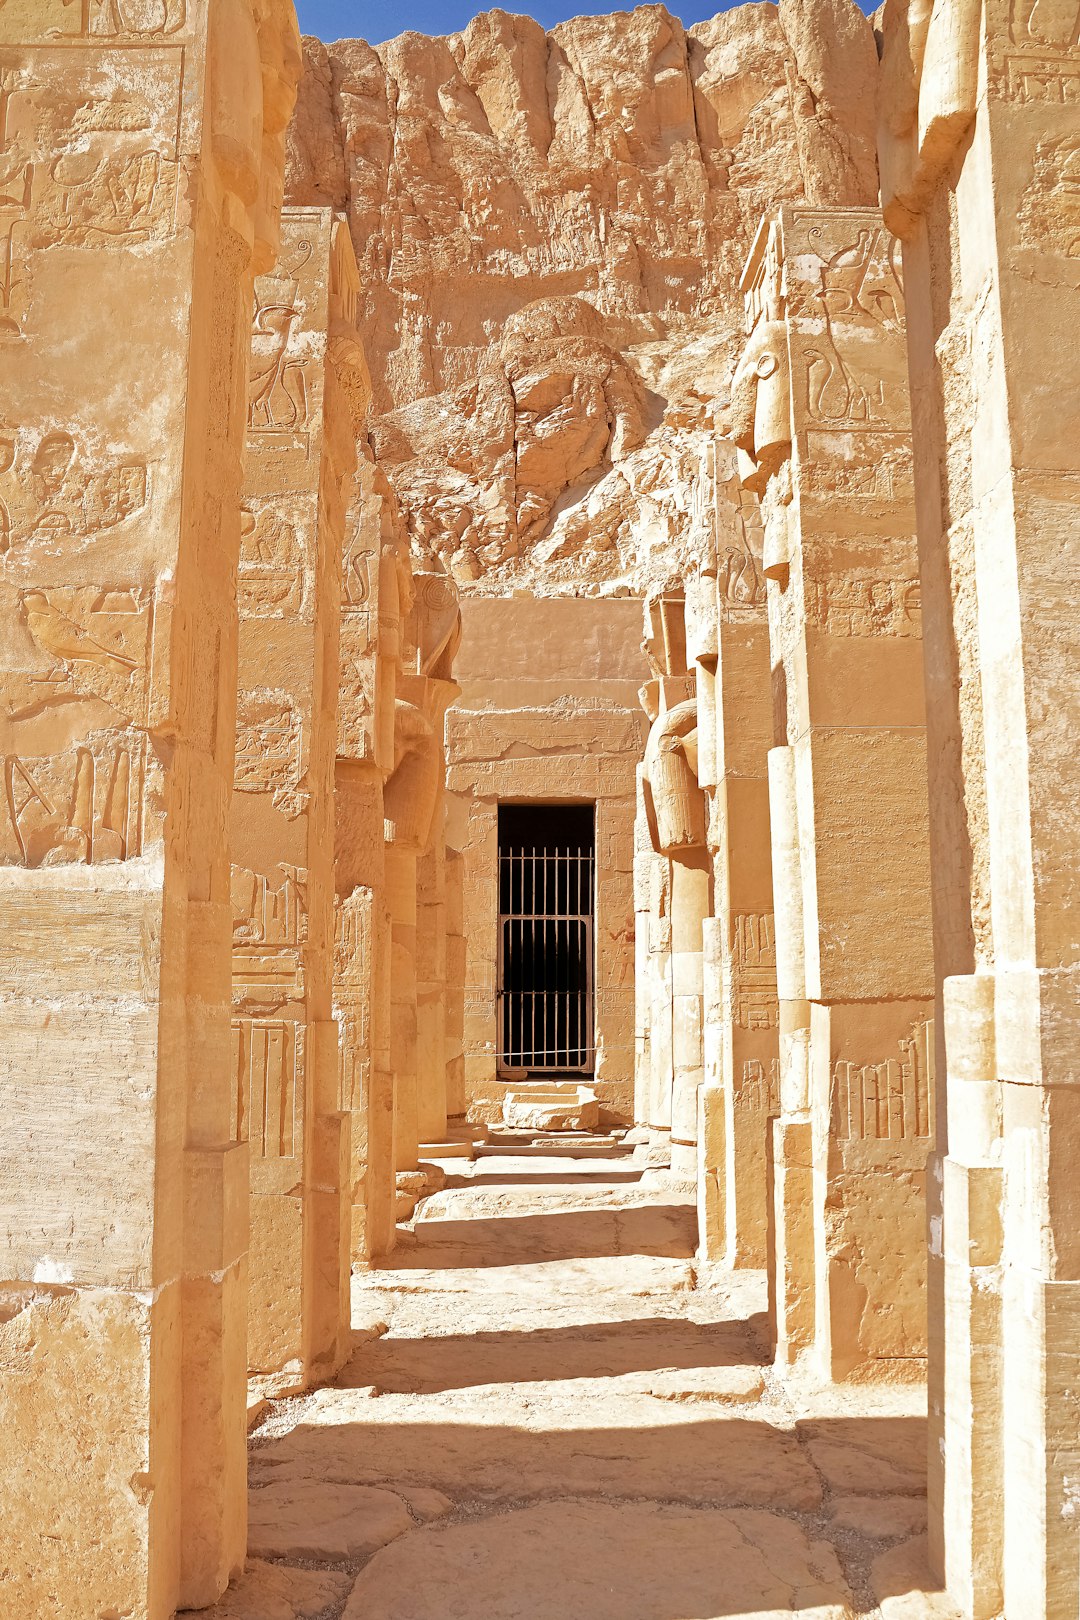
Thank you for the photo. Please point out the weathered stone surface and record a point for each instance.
(141, 155)
(905, 1588)
(560, 1107)
(737, 1565)
(879, 1517)
(301, 1517)
(277, 1592)
(552, 229)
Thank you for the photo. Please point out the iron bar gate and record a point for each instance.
(545, 965)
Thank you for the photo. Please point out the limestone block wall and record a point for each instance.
(978, 141)
(142, 165)
(549, 712)
(307, 391)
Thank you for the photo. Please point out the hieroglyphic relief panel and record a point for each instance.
(753, 972)
(859, 606)
(100, 22)
(283, 386)
(889, 1100)
(272, 574)
(56, 491)
(758, 1086)
(844, 302)
(73, 747)
(268, 1053)
(353, 990)
(359, 630)
(91, 164)
(269, 749)
(269, 934)
(1034, 52)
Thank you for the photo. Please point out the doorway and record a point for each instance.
(545, 966)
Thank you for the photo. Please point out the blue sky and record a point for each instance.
(376, 20)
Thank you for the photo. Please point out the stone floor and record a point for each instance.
(551, 1415)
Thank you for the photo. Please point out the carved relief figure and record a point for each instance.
(270, 582)
(268, 749)
(761, 386)
(80, 805)
(54, 492)
(91, 642)
(277, 388)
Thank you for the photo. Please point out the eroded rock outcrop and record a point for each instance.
(550, 229)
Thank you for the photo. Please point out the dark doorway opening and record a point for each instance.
(546, 889)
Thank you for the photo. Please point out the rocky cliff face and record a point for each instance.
(550, 228)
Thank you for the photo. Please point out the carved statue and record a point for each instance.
(410, 794)
(677, 819)
(761, 386)
(929, 82)
(435, 623)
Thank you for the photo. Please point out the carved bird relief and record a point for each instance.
(277, 396)
(67, 641)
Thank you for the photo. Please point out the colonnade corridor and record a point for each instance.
(553, 1412)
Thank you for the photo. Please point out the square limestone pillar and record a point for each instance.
(143, 155)
(728, 639)
(307, 394)
(978, 141)
(373, 573)
(822, 422)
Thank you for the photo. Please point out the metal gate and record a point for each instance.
(545, 958)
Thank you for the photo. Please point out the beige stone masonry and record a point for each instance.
(307, 393)
(375, 593)
(548, 712)
(728, 646)
(821, 418)
(978, 143)
(141, 153)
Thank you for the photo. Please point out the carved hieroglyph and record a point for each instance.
(141, 157)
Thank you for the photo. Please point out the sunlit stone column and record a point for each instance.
(308, 391)
(374, 595)
(821, 414)
(142, 158)
(978, 152)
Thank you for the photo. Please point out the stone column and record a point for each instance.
(644, 857)
(455, 975)
(821, 416)
(308, 391)
(414, 820)
(142, 160)
(728, 641)
(978, 150)
(374, 573)
(431, 1106)
(675, 810)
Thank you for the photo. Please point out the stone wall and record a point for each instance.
(548, 712)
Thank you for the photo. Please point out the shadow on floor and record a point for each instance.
(675, 1518)
(512, 1240)
(591, 1350)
